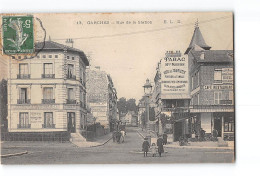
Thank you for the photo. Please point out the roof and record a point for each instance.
(54, 46)
(197, 39)
(213, 56)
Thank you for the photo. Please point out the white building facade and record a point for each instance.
(48, 92)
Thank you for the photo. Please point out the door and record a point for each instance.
(71, 122)
(218, 125)
(177, 131)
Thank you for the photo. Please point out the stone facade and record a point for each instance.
(45, 94)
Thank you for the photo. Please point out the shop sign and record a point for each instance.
(218, 87)
(174, 74)
(168, 126)
(227, 75)
(35, 117)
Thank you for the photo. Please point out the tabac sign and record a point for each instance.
(174, 73)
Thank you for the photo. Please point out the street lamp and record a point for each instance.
(147, 93)
(147, 87)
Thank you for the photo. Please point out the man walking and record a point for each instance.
(165, 138)
(160, 145)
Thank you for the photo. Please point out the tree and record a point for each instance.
(131, 105)
(121, 105)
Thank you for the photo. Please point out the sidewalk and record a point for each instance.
(191, 145)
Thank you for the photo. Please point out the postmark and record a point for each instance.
(18, 34)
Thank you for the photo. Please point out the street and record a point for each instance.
(111, 153)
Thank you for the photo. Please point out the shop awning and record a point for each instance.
(175, 96)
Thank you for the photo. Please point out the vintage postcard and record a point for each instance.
(117, 88)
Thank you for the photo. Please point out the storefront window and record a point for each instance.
(48, 120)
(229, 127)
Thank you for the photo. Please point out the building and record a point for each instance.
(171, 94)
(211, 87)
(102, 97)
(47, 94)
(130, 119)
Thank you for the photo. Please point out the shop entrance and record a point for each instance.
(218, 125)
(177, 131)
(71, 122)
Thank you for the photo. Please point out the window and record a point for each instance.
(48, 120)
(48, 68)
(44, 56)
(218, 76)
(68, 57)
(56, 56)
(192, 82)
(50, 56)
(198, 79)
(229, 126)
(71, 95)
(23, 69)
(198, 98)
(72, 58)
(38, 56)
(70, 70)
(19, 57)
(47, 93)
(217, 97)
(23, 97)
(24, 120)
(13, 57)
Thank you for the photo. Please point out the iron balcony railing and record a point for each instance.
(23, 76)
(23, 101)
(48, 125)
(48, 75)
(23, 125)
(211, 106)
(48, 101)
(71, 101)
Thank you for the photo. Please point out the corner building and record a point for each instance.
(47, 94)
(211, 87)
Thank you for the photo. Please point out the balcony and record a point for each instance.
(23, 101)
(48, 125)
(23, 76)
(71, 101)
(71, 77)
(48, 101)
(48, 75)
(23, 125)
(83, 105)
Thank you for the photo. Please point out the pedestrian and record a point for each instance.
(145, 146)
(165, 138)
(114, 136)
(118, 137)
(160, 145)
(215, 135)
(122, 135)
(154, 149)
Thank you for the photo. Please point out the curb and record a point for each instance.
(14, 154)
(101, 143)
(216, 148)
(140, 134)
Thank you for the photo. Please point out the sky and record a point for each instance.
(130, 51)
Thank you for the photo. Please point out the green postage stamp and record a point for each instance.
(18, 34)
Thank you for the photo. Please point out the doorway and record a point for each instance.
(177, 131)
(218, 125)
(71, 122)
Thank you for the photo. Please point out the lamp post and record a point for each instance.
(147, 93)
